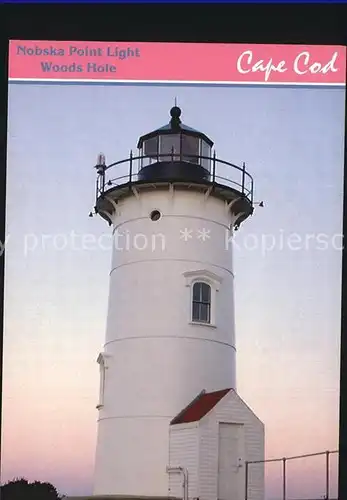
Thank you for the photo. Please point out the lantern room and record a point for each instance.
(175, 151)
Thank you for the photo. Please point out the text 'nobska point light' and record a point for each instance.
(170, 420)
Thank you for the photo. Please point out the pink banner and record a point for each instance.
(176, 63)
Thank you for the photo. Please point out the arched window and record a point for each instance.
(201, 302)
(203, 289)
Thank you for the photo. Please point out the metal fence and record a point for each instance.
(326, 455)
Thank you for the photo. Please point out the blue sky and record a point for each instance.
(287, 298)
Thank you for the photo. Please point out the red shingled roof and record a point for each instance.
(199, 407)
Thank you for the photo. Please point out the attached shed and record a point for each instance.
(210, 441)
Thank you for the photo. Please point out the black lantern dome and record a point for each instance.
(175, 152)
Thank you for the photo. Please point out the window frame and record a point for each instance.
(201, 302)
(211, 279)
(167, 156)
(145, 153)
(102, 361)
(195, 159)
(206, 164)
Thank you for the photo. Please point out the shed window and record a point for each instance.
(201, 303)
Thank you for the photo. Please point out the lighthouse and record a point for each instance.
(170, 421)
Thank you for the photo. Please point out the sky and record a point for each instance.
(287, 262)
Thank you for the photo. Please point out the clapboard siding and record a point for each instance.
(184, 452)
(231, 409)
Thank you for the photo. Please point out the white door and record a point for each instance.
(231, 472)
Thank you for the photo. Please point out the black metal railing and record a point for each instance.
(284, 462)
(233, 176)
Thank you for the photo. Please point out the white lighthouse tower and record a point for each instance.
(170, 422)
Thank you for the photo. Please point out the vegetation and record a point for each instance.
(22, 489)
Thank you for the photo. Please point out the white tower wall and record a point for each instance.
(157, 361)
